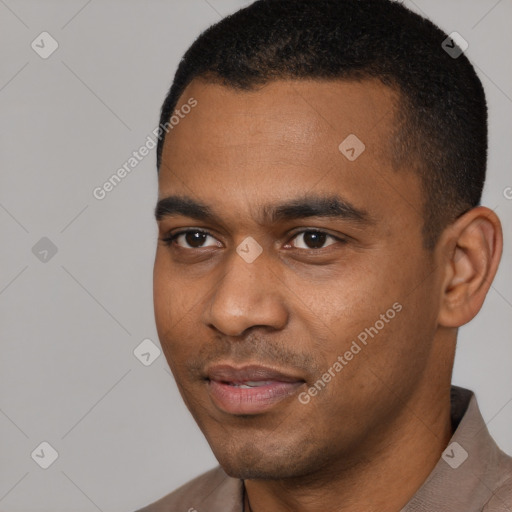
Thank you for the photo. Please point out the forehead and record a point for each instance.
(282, 140)
(312, 112)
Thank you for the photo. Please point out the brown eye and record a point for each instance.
(195, 238)
(314, 239)
(191, 239)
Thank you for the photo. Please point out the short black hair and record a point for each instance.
(441, 119)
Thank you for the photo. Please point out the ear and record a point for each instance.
(473, 245)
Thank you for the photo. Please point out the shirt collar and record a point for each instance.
(468, 468)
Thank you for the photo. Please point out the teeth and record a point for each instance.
(251, 384)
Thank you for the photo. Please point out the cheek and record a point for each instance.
(169, 299)
(162, 292)
(378, 307)
(171, 295)
(386, 344)
(349, 300)
(178, 303)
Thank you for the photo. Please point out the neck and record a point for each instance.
(383, 477)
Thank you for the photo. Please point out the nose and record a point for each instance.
(248, 295)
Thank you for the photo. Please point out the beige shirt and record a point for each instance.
(472, 475)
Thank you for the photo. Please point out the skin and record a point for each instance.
(298, 306)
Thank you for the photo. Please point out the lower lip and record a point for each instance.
(255, 400)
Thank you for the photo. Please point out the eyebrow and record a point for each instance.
(331, 206)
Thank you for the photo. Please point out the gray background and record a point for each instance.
(70, 324)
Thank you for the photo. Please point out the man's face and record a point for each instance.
(250, 335)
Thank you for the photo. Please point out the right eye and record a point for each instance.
(195, 238)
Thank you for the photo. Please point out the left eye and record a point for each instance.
(313, 239)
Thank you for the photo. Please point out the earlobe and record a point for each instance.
(475, 242)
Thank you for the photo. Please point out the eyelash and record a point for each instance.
(169, 239)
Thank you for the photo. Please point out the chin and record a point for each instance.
(268, 462)
(259, 471)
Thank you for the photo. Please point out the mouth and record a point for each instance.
(249, 389)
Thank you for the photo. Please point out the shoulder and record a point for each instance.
(501, 497)
(213, 486)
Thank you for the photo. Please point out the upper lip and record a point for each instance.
(229, 373)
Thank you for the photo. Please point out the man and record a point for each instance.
(321, 164)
